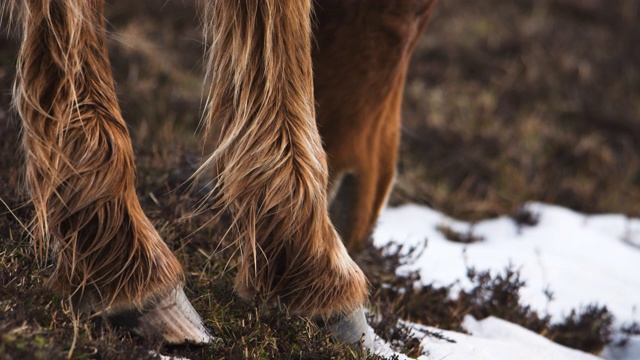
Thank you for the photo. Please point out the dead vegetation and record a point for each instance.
(505, 103)
(397, 297)
(508, 102)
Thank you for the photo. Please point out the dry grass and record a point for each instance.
(505, 102)
(509, 102)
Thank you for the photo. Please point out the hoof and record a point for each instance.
(171, 319)
(352, 329)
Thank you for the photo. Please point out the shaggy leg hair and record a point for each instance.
(270, 165)
(79, 164)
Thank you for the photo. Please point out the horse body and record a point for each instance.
(360, 67)
(296, 181)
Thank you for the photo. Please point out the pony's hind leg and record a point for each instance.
(80, 175)
(360, 64)
(272, 172)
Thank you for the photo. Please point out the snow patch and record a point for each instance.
(581, 259)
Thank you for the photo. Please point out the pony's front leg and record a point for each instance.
(272, 171)
(80, 174)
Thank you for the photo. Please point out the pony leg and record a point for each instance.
(271, 168)
(360, 66)
(80, 174)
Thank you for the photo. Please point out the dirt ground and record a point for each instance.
(505, 102)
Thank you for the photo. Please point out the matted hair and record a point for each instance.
(80, 169)
(270, 165)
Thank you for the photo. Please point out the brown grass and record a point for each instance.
(531, 100)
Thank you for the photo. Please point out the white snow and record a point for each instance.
(581, 259)
(496, 339)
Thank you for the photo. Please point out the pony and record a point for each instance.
(303, 103)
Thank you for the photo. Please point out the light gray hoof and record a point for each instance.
(352, 329)
(172, 319)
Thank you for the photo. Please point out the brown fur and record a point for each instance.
(272, 172)
(270, 165)
(363, 51)
(79, 161)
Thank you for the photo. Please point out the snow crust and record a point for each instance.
(580, 259)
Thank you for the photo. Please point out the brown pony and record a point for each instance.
(305, 109)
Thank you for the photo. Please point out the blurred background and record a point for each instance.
(509, 101)
(506, 101)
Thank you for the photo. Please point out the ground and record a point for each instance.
(505, 102)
